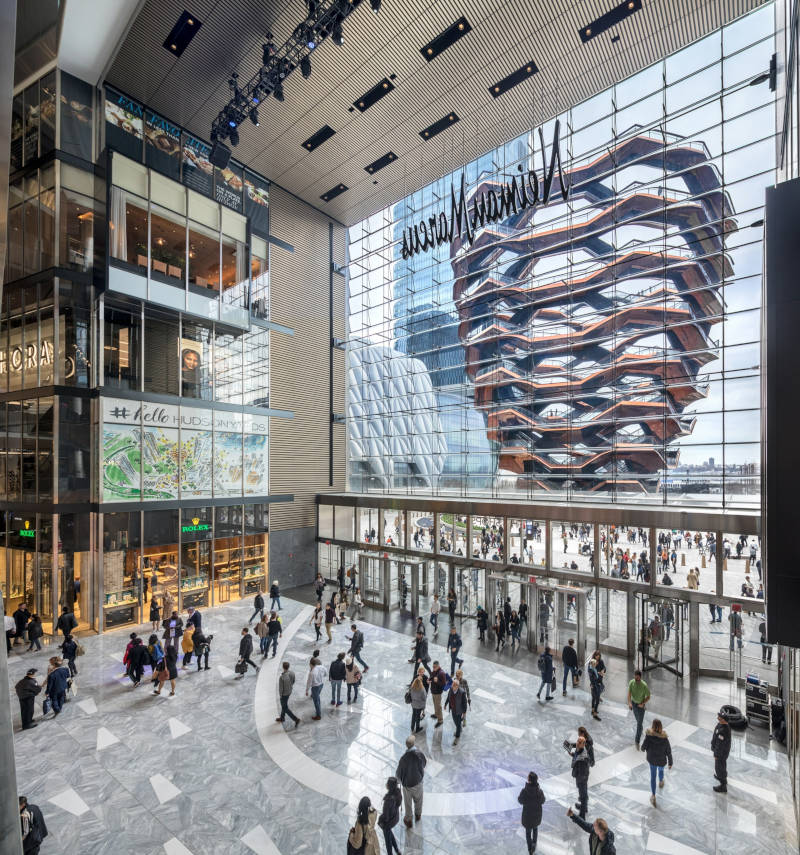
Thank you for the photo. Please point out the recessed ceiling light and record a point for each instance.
(514, 79)
(438, 127)
(447, 38)
(380, 90)
(615, 16)
(321, 136)
(185, 29)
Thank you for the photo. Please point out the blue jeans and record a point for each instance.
(58, 701)
(336, 691)
(272, 605)
(655, 770)
(545, 682)
(264, 644)
(273, 640)
(569, 669)
(357, 657)
(434, 621)
(316, 691)
(638, 714)
(256, 612)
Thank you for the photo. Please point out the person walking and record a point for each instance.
(246, 650)
(638, 696)
(66, 622)
(419, 698)
(601, 837)
(168, 670)
(155, 653)
(457, 704)
(316, 621)
(21, 617)
(336, 674)
(32, 827)
(258, 606)
(173, 629)
(285, 686)
(136, 661)
(319, 588)
(352, 677)
(451, 605)
(531, 798)
(317, 675)
(659, 754)
(411, 775)
(330, 617)
(462, 681)
(433, 619)
(580, 772)
(499, 630)
(69, 650)
(595, 685)
(437, 681)
(357, 645)
(27, 689)
(420, 657)
(513, 624)
(202, 647)
(721, 748)
(35, 632)
(262, 631)
(274, 632)
(56, 689)
(362, 837)
(483, 623)
(155, 614)
(10, 628)
(187, 646)
(390, 815)
(454, 643)
(275, 595)
(358, 602)
(766, 647)
(546, 671)
(569, 660)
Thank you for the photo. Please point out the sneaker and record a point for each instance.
(549, 698)
(564, 693)
(438, 724)
(455, 741)
(338, 703)
(408, 823)
(653, 801)
(661, 784)
(721, 789)
(316, 717)
(279, 719)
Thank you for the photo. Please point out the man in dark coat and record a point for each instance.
(569, 659)
(246, 648)
(258, 606)
(454, 645)
(411, 774)
(274, 632)
(195, 619)
(275, 596)
(137, 659)
(531, 798)
(421, 656)
(57, 687)
(32, 827)
(601, 837)
(21, 617)
(457, 703)
(580, 772)
(546, 670)
(357, 645)
(27, 689)
(66, 623)
(721, 747)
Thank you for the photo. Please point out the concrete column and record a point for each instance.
(633, 635)
(596, 530)
(694, 640)
(720, 565)
(10, 840)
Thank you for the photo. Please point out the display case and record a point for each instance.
(254, 577)
(194, 591)
(120, 608)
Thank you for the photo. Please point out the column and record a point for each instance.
(11, 842)
(632, 633)
(694, 640)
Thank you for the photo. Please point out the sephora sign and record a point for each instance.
(525, 190)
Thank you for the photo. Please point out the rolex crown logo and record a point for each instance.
(27, 524)
(195, 520)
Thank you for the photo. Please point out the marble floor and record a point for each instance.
(209, 771)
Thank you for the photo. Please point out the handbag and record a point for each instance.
(80, 650)
(407, 697)
(240, 668)
(45, 706)
(553, 683)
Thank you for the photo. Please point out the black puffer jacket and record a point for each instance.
(657, 748)
(531, 798)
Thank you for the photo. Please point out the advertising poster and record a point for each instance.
(198, 173)
(256, 472)
(76, 116)
(196, 454)
(257, 203)
(122, 481)
(160, 463)
(162, 145)
(228, 186)
(124, 124)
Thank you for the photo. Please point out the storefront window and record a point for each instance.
(256, 367)
(74, 470)
(122, 343)
(161, 357)
(255, 575)
(259, 278)
(44, 450)
(196, 362)
(234, 272)
(228, 364)
(121, 555)
(203, 260)
(76, 242)
(74, 568)
(195, 571)
(160, 557)
(168, 244)
(75, 331)
(227, 553)
(128, 228)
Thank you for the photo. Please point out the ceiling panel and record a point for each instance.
(506, 33)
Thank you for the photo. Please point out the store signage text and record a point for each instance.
(195, 526)
(490, 206)
(30, 356)
(27, 531)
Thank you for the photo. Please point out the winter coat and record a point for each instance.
(411, 768)
(258, 602)
(69, 649)
(546, 667)
(438, 679)
(457, 701)
(352, 675)
(580, 764)
(195, 620)
(721, 741)
(66, 623)
(569, 656)
(595, 847)
(35, 630)
(419, 697)
(246, 646)
(187, 644)
(357, 641)
(274, 591)
(261, 629)
(366, 835)
(21, 617)
(657, 748)
(421, 650)
(338, 670)
(178, 627)
(27, 688)
(531, 798)
(390, 815)
(454, 641)
(57, 681)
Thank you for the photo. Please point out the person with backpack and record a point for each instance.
(454, 644)
(258, 606)
(363, 839)
(202, 647)
(32, 827)
(580, 772)
(411, 775)
(390, 815)
(545, 665)
(569, 659)
(659, 753)
(155, 652)
(57, 681)
(601, 837)
(137, 657)
(69, 650)
(531, 798)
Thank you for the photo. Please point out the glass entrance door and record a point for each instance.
(662, 627)
(470, 591)
(371, 573)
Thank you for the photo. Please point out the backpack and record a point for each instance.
(357, 850)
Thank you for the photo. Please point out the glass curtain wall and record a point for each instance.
(619, 361)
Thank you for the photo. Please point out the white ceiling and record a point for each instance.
(505, 35)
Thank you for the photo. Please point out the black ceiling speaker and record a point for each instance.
(220, 154)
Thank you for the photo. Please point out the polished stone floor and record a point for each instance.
(209, 771)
